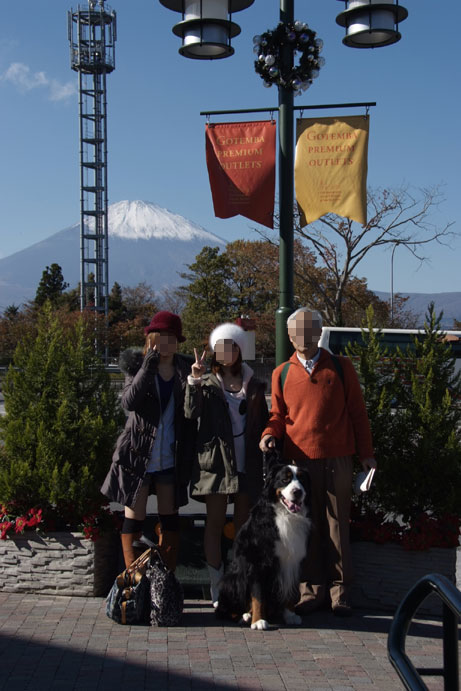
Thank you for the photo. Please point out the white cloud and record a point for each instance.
(25, 80)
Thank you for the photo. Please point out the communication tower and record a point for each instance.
(92, 35)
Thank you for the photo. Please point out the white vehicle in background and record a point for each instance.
(336, 339)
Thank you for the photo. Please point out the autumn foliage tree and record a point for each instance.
(243, 280)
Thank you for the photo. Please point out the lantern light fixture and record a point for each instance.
(370, 23)
(206, 28)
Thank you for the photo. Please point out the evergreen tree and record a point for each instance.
(12, 312)
(61, 422)
(379, 379)
(431, 414)
(208, 295)
(412, 398)
(51, 286)
(117, 310)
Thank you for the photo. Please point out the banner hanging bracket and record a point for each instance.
(366, 104)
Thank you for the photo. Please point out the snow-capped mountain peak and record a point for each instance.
(146, 244)
(140, 220)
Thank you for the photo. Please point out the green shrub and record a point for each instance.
(414, 405)
(62, 419)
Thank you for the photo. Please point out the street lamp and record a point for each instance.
(368, 23)
(206, 28)
(396, 244)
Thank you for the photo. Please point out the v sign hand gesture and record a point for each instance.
(198, 368)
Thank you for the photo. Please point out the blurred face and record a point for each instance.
(304, 331)
(166, 342)
(226, 352)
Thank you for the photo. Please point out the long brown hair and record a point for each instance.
(217, 367)
(150, 341)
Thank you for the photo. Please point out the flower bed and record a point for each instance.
(36, 557)
(422, 533)
(59, 563)
(390, 557)
(384, 573)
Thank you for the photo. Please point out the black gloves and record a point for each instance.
(150, 362)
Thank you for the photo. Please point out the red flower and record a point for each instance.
(4, 528)
(35, 518)
(21, 523)
(91, 533)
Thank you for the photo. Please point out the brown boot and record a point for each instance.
(130, 553)
(169, 546)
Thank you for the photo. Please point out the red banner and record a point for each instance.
(241, 166)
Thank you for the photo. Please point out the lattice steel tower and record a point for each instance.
(92, 36)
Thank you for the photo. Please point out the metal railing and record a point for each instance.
(451, 599)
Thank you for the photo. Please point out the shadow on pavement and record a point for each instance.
(322, 620)
(368, 621)
(29, 666)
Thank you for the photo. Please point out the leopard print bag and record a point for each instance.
(166, 593)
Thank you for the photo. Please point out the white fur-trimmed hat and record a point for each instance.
(230, 331)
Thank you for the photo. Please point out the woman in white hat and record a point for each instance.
(231, 409)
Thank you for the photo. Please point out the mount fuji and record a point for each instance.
(146, 243)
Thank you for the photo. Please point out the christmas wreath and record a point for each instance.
(300, 39)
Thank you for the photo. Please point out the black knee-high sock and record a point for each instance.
(169, 522)
(131, 525)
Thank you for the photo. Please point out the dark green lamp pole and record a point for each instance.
(283, 347)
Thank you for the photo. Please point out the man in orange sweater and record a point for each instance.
(319, 413)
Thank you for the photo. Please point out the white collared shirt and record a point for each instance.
(309, 364)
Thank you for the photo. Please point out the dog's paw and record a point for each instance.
(246, 617)
(260, 625)
(291, 618)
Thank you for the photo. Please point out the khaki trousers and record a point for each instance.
(328, 563)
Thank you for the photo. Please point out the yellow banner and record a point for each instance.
(331, 167)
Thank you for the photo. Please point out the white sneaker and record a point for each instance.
(215, 578)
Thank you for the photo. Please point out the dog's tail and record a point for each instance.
(232, 600)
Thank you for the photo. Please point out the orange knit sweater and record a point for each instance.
(318, 416)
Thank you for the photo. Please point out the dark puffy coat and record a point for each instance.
(134, 446)
(214, 470)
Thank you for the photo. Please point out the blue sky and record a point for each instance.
(156, 134)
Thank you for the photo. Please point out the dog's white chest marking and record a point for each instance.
(290, 548)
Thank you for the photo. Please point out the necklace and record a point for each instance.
(232, 385)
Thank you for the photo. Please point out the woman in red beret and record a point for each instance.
(154, 452)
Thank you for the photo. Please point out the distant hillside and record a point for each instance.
(146, 243)
(448, 303)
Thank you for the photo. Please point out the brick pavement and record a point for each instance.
(68, 643)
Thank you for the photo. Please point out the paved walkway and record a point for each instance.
(63, 643)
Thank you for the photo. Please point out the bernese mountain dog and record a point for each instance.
(262, 580)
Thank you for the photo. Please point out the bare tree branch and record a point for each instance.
(396, 216)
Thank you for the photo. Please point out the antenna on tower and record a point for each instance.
(92, 35)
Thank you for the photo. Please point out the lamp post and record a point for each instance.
(392, 282)
(286, 197)
(206, 32)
